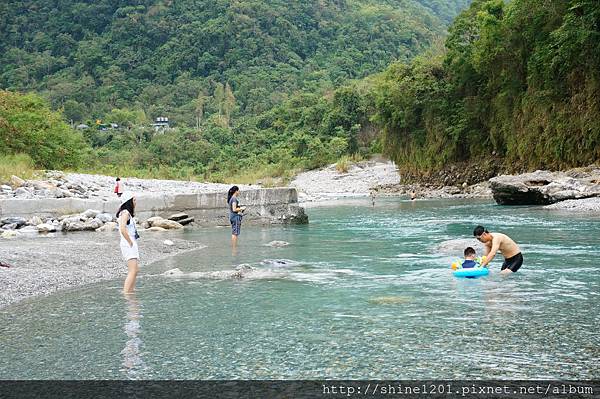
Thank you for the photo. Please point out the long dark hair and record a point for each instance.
(127, 206)
(232, 191)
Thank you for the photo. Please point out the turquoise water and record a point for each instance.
(360, 292)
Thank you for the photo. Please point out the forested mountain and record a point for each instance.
(518, 79)
(251, 85)
(93, 56)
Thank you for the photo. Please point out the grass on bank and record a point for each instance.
(20, 165)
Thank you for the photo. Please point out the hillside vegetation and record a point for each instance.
(518, 79)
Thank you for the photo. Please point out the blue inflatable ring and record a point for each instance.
(472, 272)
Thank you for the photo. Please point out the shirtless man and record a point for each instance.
(494, 242)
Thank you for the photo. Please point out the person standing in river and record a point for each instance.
(235, 213)
(129, 237)
(494, 242)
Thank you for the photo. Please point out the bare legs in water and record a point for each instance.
(133, 268)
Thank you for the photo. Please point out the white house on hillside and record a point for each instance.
(161, 124)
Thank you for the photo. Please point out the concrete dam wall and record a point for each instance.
(264, 206)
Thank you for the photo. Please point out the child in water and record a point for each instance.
(469, 261)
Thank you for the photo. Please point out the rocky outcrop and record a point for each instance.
(544, 187)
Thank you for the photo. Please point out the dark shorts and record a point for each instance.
(513, 263)
(236, 224)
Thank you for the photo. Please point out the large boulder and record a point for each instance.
(81, 226)
(19, 221)
(16, 181)
(167, 224)
(543, 187)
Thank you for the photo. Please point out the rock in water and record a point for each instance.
(277, 244)
(543, 187)
(185, 221)
(389, 300)
(173, 272)
(168, 242)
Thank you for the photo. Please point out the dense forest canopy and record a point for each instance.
(159, 55)
(519, 79)
(251, 85)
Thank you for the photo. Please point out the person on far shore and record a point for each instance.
(119, 187)
(129, 237)
(235, 213)
(494, 242)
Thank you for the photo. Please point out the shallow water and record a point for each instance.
(360, 292)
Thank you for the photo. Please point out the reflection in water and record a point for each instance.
(133, 364)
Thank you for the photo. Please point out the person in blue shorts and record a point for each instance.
(235, 213)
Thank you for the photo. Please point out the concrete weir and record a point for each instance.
(264, 206)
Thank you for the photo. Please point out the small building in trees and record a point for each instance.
(161, 124)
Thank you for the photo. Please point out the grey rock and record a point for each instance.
(153, 219)
(22, 192)
(186, 221)
(46, 228)
(167, 224)
(9, 234)
(109, 226)
(19, 221)
(28, 230)
(178, 216)
(71, 219)
(6, 188)
(90, 213)
(543, 187)
(16, 181)
(104, 217)
(73, 226)
(66, 193)
(277, 244)
(10, 226)
(36, 220)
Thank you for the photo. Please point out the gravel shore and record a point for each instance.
(587, 205)
(373, 177)
(41, 266)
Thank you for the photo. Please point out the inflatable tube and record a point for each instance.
(472, 272)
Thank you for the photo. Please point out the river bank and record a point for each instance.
(572, 189)
(42, 266)
(379, 178)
